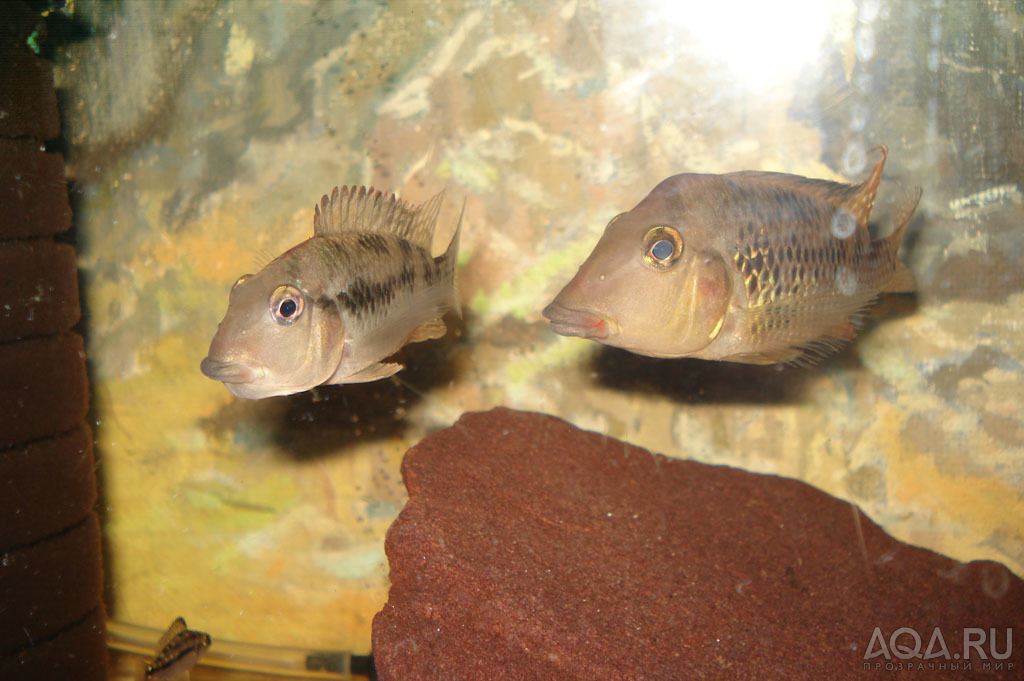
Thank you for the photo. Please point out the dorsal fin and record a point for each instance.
(177, 628)
(858, 199)
(863, 199)
(362, 209)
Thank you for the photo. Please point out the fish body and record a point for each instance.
(751, 267)
(177, 652)
(330, 309)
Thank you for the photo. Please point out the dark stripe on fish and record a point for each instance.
(333, 252)
(408, 276)
(373, 243)
(184, 644)
(427, 265)
(361, 296)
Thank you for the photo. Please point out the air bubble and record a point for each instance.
(865, 43)
(854, 159)
(843, 224)
(846, 280)
(859, 117)
(869, 10)
(863, 82)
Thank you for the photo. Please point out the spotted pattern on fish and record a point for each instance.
(769, 267)
(784, 248)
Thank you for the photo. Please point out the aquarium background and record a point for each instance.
(201, 133)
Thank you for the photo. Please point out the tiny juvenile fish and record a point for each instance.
(750, 267)
(332, 308)
(177, 652)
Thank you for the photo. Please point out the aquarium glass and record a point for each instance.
(200, 134)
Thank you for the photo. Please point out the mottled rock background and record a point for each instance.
(200, 134)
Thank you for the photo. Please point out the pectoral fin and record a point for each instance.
(428, 331)
(373, 372)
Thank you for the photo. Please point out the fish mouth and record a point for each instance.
(228, 372)
(582, 323)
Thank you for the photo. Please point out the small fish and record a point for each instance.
(750, 267)
(177, 652)
(332, 308)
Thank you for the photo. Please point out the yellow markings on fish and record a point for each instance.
(751, 267)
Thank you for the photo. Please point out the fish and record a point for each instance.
(177, 652)
(749, 267)
(331, 309)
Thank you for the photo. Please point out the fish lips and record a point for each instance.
(227, 371)
(567, 321)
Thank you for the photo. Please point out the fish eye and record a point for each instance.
(662, 246)
(240, 280)
(286, 304)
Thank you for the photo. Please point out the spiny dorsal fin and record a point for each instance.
(177, 628)
(857, 199)
(863, 200)
(362, 209)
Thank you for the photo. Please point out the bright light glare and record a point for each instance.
(763, 43)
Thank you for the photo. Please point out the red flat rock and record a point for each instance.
(530, 549)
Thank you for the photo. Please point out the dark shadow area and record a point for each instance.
(312, 424)
(697, 381)
(362, 665)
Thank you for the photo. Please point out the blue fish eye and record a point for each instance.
(662, 249)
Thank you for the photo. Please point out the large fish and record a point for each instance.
(332, 308)
(750, 267)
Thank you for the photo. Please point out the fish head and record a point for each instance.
(276, 337)
(654, 285)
